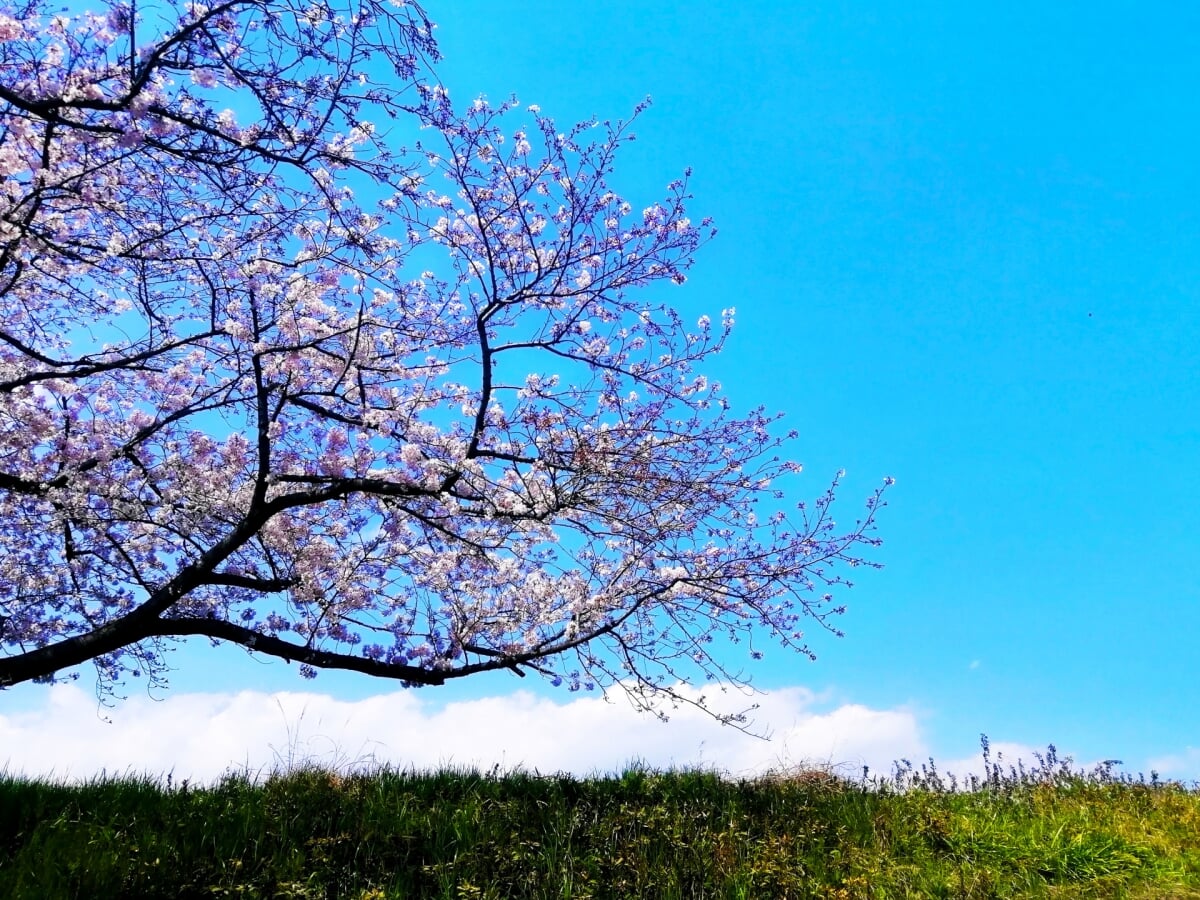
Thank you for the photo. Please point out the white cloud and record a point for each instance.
(203, 735)
(1183, 766)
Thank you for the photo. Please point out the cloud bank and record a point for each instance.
(202, 736)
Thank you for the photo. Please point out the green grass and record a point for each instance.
(313, 833)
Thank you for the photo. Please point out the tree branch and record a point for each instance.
(221, 630)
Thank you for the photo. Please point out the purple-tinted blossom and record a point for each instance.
(270, 378)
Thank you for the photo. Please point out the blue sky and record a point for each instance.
(963, 244)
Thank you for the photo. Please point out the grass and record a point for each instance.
(312, 833)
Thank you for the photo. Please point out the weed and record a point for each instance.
(312, 832)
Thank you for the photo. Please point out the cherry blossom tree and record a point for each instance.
(297, 355)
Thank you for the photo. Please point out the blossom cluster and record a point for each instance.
(270, 376)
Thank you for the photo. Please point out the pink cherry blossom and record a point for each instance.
(268, 376)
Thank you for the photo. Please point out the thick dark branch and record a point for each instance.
(221, 630)
(356, 421)
(20, 485)
(84, 367)
(143, 622)
(333, 487)
(139, 624)
(107, 638)
(22, 347)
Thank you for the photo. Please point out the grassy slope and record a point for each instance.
(312, 833)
